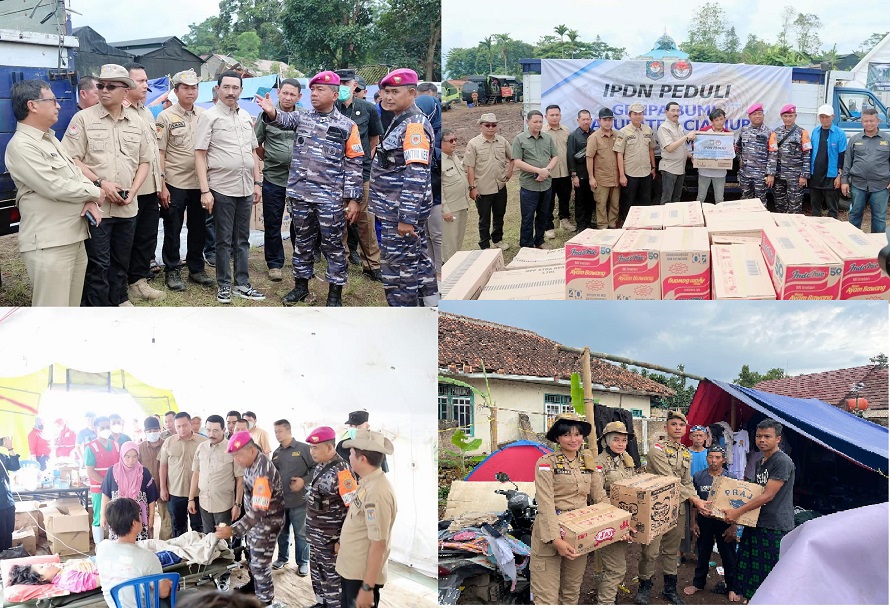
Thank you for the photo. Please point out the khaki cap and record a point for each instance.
(487, 117)
(371, 441)
(615, 427)
(112, 72)
(675, 414)
(637, 107)
(185, 77)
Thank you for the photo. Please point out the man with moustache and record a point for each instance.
(635, 146)
(577, 146)
(602, 166)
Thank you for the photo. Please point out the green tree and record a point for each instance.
(327, 34)
(408, 33)
(872, 41)
(561, 30)
(788, 17)
(248, 46)
(486, 45)
(749, 378)
(572, 35)
(684, 389)
(209, 36)
(879, 360)
(502, 40)
(460, 63)
(708, 25)
(732, 47)
(806, 31)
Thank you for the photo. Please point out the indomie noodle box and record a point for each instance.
(593, 527)
(653, 502)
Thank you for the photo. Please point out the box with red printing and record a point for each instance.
(862, 278)
(728, 228)
(683, 214)
(801, 268)
(644, 218)
(588, 258)
(739, 273)
(685, 264)
(744, 206)
(789, 220)
(636, 273)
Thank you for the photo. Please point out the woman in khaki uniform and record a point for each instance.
(565, 480)
(615, 464)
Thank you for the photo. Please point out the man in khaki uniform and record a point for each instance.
(149, 450)
(602, 167)
(217, 480)
(489, 164)
(53, 197)
(180, 193)
(176, 458)
(455, 199)
(668, 458)
(367, 530)
(635, 145)
(145, 236)
(562, 181)
(107, 141)
(673, 139)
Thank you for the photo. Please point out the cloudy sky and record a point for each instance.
(712, 339)
(466, 22)
(119, 21)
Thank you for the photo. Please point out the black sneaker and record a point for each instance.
(224, 295)
(173, 279)
(211, 260)
(202, 278)
(248, 293)
(354, 259)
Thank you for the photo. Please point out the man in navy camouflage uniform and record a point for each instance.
(752, 147)
(263, 515)
(325, 175)
(401, 195)
(327, 501)
(789, 162)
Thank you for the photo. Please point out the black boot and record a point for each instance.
(334, 295)
(670, 590)
(643, 592)
(247, 587)
(298, 293)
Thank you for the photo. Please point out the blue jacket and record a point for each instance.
(837, 143)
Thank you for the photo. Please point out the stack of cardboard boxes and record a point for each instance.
(64, 523)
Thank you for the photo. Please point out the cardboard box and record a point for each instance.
(27, 538)
(636, 273)
(685, 264)
(789, 220)
(652, 500)
(644, 218)
(734, 228)
(67, 529)
(729, 493)
(713, 150)
(862, 278)
(467, 272)
(683, 214)
(531, 257)
(28, 515)
(738, 272)
(539, 283)
(257, 223)
(593, 527)
(743, 206)
(801, 268)
(588, 258)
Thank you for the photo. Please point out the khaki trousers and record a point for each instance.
(57, 274)
(607, 200)
(664, 547)
(369, 249)
(614, 559)
(555, 579)
(166, 529)
(453, 233)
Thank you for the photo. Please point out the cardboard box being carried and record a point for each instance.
(729, 493)
(739, 273)
(685, 264)
(27, 538)
(538, 283)
(652, 500)
(588, 258)
(67, 529)
(644, 218)
(862, 278)
(683, 214)
(532, 257)
(713, 150)
(593, 527)
(801, 268)
(635, 265)
(467, 272)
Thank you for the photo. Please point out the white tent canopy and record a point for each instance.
(311, 366)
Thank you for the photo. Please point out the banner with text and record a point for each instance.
(575, 84)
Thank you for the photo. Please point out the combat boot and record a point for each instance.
(670, 590)
(247, 587)
(298, 293)
(642, 597)
(335, 293)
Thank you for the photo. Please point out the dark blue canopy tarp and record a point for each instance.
(859, 440)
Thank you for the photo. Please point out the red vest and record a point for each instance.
(105, 459)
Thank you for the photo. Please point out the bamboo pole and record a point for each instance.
(588, 398)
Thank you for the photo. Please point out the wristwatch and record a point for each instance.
(366, 587)
(98, 183)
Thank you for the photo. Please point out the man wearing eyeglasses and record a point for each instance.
(455, 199)
(489, 164)
(53, 196)
(109, 144)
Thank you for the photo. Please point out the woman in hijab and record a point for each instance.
(129, 479)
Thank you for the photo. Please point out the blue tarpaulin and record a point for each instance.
(859, 440)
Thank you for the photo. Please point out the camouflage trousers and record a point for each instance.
(753, 186)
(322, 562)
(262, 541)
(788, 195)
(310, 219)
(408, 271)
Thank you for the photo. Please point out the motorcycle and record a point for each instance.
(492, 560)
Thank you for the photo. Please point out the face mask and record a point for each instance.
(105, 433)
(250, 425)
(351, 433)
(152, 437)
(345, 93)
(116, 429)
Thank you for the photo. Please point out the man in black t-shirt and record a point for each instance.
(759, 548)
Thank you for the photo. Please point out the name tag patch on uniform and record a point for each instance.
(294, 454)
(416, 146)
(883, 143)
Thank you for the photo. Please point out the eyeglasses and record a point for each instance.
(52, 99)
(449, 141)
(489, 125)
(111, 87)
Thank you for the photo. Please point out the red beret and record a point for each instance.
(399, 77)
(321, 434)
(330, 78)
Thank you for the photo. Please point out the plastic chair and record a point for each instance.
(146, 597)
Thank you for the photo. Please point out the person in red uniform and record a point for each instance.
(65, 439)
(38, 445)
(99, 455)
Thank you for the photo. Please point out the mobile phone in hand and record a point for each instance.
(91, 219)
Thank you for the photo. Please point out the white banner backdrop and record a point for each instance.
(575, 84)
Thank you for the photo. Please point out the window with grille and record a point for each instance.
(554, 405)
(636, 413)
(456, 403)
